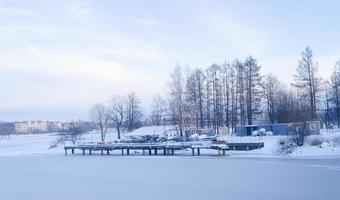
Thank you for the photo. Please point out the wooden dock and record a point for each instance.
(158, 149)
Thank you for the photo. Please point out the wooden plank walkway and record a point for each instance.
(158, 149)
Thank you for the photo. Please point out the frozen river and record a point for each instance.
(162, 178)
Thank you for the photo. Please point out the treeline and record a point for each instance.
(233, 93)
(122, 112)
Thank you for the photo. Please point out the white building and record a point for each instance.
(36, 126)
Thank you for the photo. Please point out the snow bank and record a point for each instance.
(44, 144)
(160, 131)
(41, 144)
(324, 145)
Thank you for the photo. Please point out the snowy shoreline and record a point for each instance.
(41, 145)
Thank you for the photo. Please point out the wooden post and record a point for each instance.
(83, 152)
(72, 150)
(172, 151)
(198, 151)
(122, 151)
(107, 151)
(224, 152)
(150, 151)
(65, 152)
(193, 151)
(156, 151)
(164, 151)
(127, 151)
(90, 151)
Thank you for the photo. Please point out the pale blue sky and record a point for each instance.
(57, 58)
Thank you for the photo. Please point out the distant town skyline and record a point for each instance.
(57, 58)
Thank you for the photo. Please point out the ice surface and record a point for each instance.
(167, 178)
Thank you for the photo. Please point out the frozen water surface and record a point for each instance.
(116, 177)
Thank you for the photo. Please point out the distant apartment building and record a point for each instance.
(31, 127)
(37, 126)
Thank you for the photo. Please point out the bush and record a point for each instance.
(288, 144)
(315, 140)
(336, 141)
(262, 132)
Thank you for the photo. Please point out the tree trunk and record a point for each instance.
(118, 131)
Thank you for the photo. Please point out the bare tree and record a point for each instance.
(240, 90)
(271, 86)
(133, 112)
(117, 110)
(99, 114)
(335, 94)
(191, 96)
(158, 109)
(233, 96)
(200, 79)
(308, 80)
(214, 77)
(176, 92)
(252, 88)
(226, 79)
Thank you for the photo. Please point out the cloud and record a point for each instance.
(16, 12)
(128, 47)
(79, 80)
(240, 38)
(150, 22)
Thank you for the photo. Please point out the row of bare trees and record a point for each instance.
(230, 94)
(236, 93)
(121, 112)
(220, 95)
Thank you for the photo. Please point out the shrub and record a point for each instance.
(315, 140)
(288, 144)
(336, 140)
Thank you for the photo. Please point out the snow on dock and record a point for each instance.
(154, 148)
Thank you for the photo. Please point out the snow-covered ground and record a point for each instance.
(40, 144)
(328, 148)
(18, 145)
(43, 144)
